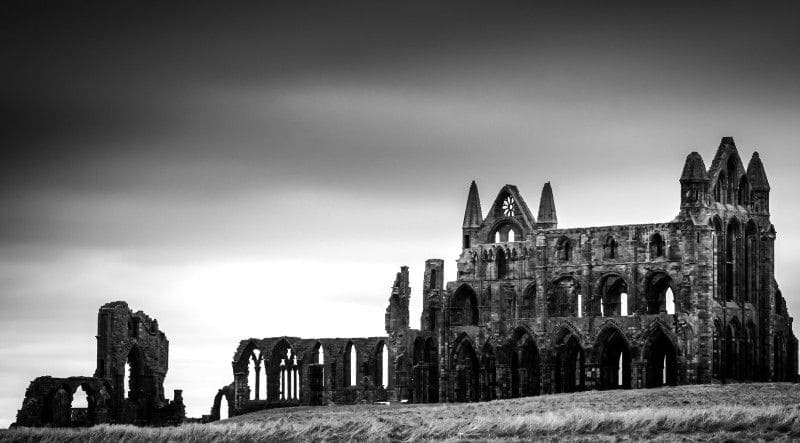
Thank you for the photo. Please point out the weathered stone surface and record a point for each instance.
(123, 336)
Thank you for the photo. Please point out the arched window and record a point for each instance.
(464, 307)
(656, 245)
(564, 249)
(610, 248)
(223, 408)
(80, 400)
(529, 302)
(750, 261)
(656, 293)
(743, 197)
(257, 389)
(721, 188)
(732, 172)
(501, 263)
(733, 243)
(563, 300)
(611, 290)
(719, 255)
(669, 301)
(382, 366)
(126, 380)
(351, 360)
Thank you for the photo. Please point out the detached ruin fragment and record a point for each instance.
(124, 339)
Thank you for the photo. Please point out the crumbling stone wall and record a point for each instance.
(123, 336)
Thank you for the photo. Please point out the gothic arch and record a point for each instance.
(733, 337)
(562, 299)
(464, 306)
(503, 228)
(523, 360)
(660, 356)
(564, 249)
(465, 370)
(656, 285)
(488, 375)
(610, 287)
(528, 304)
(567, 359)
(612, 352)
(716, 342)
(425, 371)
(733, 252)
(719, 255)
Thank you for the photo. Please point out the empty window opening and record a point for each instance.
(611, 295)
(623, 304)
(610, 248)
(656, 294)
(352, 373)
(433, 279)
(80, 400)
(223, 408)
(563, 298)
(466, 242)
(656, 245)
(254, 377)
(501, 263)
(511, 235)
(669, 299)
(664, 371)
(580, 306)
(564, 249)
(126, 380)
(620, 381)
(385, 366)
(497, 237)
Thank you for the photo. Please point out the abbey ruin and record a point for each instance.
(127, 386)
(536, 309)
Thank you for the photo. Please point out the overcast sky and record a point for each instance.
(263, 169)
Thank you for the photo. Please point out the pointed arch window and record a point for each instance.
(610, 248)
(564, 249)
(656, 245)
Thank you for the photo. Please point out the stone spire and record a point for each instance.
(756, 175)
(694, 170)
(547, 209)
(473, 217)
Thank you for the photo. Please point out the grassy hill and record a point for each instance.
(707, 412)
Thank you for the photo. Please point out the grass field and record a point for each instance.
(709, 412)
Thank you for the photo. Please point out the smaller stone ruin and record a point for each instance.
(127, 386)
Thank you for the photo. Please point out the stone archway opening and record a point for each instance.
(661, 359)
(614, 358)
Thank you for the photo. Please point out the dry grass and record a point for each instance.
(733, 412)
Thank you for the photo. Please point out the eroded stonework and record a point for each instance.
(536, 309)
(123, 337)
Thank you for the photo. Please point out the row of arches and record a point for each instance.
(564, 299)
(517, 368)
(564, 250)
(285, 374)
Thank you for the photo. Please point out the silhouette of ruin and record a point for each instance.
(127, 386)
(536, 309)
